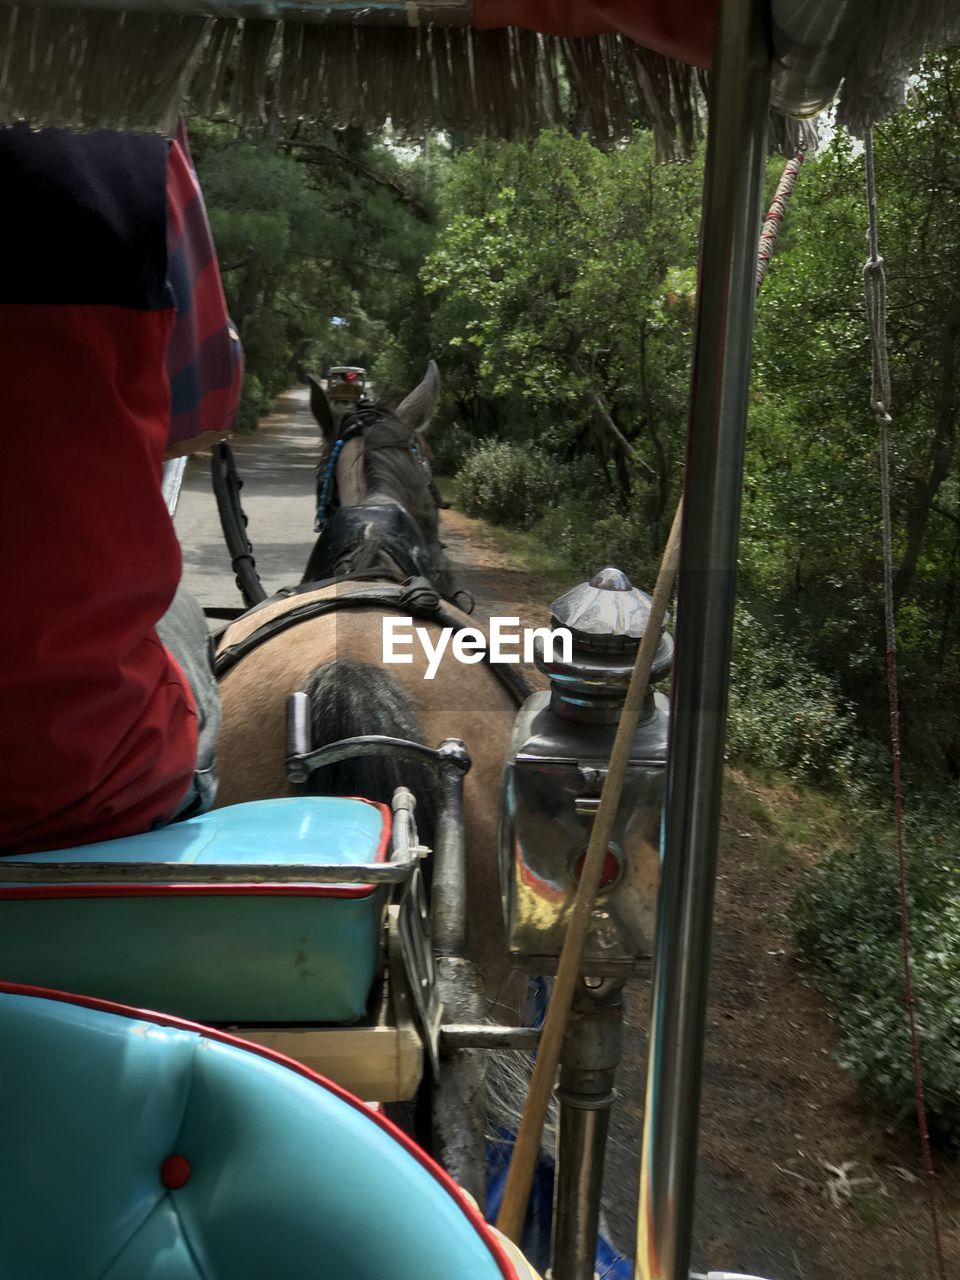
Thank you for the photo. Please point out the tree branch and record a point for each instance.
(326, 155)
(606, 420)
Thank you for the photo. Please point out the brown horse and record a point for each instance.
(338, 659)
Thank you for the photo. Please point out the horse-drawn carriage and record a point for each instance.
(346, 384)
(360, 894)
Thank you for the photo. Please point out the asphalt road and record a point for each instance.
(277, 467)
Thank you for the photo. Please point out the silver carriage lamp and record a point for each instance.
(555, 769)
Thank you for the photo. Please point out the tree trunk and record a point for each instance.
(249, 291)
(603, 418)
(948, 605)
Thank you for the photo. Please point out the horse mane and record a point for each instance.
(392, 471)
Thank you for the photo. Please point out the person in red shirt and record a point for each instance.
(117, 351)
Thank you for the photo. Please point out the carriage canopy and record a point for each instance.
(503, 67)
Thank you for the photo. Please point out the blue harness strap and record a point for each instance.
(352, 425)
(326, 486)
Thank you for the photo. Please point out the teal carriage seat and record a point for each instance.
(140, 1147)
(227, 953)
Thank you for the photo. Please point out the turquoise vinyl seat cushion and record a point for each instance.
(134, 1149)
(221, 954)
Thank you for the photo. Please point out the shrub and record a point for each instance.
(451, 444)
(254, 403)
(585, 534)
(507, 483)
(787, 715)
(565, 502)
(847, 925)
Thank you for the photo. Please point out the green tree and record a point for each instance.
(562, 285)
(562, 289)
(811, 544)
(321, 236)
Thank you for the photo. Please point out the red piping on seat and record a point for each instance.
(33, 892)
(210, 1033)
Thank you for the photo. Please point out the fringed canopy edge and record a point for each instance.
(98, 69)
(891, 45)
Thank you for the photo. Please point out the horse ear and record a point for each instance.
(421, 404)
(320, 407)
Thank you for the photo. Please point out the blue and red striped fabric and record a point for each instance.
(204, 358)
(98, 726)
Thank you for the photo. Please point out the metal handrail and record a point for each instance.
(733, 188)
(192, 873)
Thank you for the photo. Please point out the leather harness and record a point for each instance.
(416, 597)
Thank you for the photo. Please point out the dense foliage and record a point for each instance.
(811, 545)
(320, 236)
(848, 923)
(562, 287)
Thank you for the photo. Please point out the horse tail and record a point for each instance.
(349, 699)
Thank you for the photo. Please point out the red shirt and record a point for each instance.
(97, 725)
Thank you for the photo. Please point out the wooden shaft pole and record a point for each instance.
(527, 1148)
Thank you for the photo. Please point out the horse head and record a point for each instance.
(376, 502)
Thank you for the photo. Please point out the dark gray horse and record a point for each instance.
(376, 503)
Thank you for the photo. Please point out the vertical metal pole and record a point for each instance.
(458, 1095)
(448, 882)
(588, 1064)
(731, 221)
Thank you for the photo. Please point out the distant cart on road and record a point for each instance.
(346, 383)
